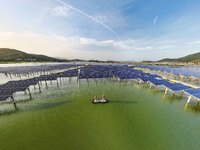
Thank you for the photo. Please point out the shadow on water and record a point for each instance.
(123, 102)
(40, 106)
(8, 112)
(47, 105)
(193, 108)
(172, 98)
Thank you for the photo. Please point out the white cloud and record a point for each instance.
(130, 45)
(61, 11)
(194, 43)
(144, 48)
(69, 47)
(86, 41)
(59, 46)
(51, 45)
(155, 20)
(89, 48)
(108, 41)
(165, 47)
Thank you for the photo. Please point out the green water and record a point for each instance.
(64, 118)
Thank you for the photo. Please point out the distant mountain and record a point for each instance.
(7, 54)
(189, 58)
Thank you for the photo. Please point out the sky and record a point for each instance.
(121, 30)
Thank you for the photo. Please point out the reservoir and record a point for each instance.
(135, 118)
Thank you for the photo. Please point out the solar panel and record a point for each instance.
(197, 95)
(169, 84)
(30, 69)
(95, 71)
(193, 91)
(178, 88)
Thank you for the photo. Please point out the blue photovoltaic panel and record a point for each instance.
(180, 70)
(156, 83)
(28, 69)
(175, 86)
(155, 75)
(169, 84)
(193, 91)
(144, 79)
(178, 88)
(9, 88)
(197, 95)
(162, 82)
(93, 71)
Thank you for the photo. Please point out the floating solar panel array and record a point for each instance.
(124, 72)
(176, 70)
(28, 69)
(69, 73)
(194, 92)
(93, 71)
(181, 71)
(9, 88)
(107, 71)
(176, 86)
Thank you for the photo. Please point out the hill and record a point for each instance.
(189, 58)
(7, 54)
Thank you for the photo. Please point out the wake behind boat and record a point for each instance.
(95, 100)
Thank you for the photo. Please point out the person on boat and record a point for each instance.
(103, 97)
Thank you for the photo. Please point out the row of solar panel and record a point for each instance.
(28, 69)
(97, 71)
(94, 71)
(8, 89)
(186, 71)
(178, 70)
(127, 73)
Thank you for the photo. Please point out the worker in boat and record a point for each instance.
(103, 97)
(95, 97)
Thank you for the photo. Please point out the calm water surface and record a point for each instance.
(64, 118)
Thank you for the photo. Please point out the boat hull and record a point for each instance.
(96, 101)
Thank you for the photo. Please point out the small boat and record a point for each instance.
(95, 100)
